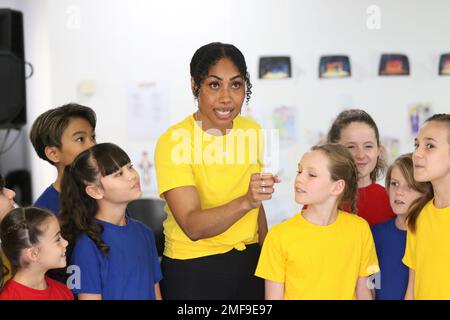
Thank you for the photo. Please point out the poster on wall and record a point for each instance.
(334, 67)
(393, 65)
(148, 106)
(284, 119)
(391, 148)
(417, 114)
(444, 65)
(315, 136)
(142, 160)
(275, 67)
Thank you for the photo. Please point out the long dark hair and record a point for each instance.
(342, 166)
(208, 55)
(349, 116)
(78, 209)
(20, 229)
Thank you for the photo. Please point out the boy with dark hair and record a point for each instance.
(58, 136)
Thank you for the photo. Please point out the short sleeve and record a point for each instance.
(155, 265)
(272, 261)
(369, 261)
(173, 160)
(409, 258)
(86, 256)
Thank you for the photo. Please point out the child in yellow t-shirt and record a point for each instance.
(322, 252)
(427, 251)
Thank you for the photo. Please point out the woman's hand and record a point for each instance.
(260, 188)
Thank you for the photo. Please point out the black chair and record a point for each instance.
(151, 213)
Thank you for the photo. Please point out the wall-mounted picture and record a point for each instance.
(444, 65)
(418, 113)
(334, 67)
(275, 67)
(394, 65)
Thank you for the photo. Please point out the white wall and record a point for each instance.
(118, 41)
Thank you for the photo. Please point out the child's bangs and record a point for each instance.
(110, 158)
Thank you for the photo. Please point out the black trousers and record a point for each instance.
(227, 276)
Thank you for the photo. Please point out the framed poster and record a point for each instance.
(393, 65)
(334, 67)
(275, 67)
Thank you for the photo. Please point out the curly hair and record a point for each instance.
(208, 55)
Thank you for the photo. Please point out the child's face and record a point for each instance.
(6, 201)
(401, 195)
(361, 141)
(313, 183)
(77, 137)
(221, 95)
(431, 156)
(122, 186)
(52, 246)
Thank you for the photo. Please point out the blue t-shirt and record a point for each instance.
(49, 199)
(390, 243)
(130, 270)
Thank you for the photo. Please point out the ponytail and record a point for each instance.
(78, 209)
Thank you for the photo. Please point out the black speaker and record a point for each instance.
(12, 70)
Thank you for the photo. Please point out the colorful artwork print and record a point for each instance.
(334, 67)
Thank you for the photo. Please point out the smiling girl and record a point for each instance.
(32, 241)
(356, 130)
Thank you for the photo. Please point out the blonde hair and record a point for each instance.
(405, 164)
(342, 167)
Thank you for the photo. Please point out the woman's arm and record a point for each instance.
(363, 292)
(274, 290)
(157, 292)
(409, 295)
(184, 203)
(262, 225)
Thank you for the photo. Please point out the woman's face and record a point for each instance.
(221, 96)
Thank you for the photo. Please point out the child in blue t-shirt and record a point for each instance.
(390, 236)
(58, 136)
(116, 255)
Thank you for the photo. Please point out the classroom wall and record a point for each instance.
(118, 42)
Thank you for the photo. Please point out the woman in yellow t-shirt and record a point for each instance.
(209, 172)
(428, 238)
(6, 205)
(323, 252)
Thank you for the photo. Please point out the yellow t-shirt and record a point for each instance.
(428, 253)
(318, 262)
(220, 168)
(6, 265)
